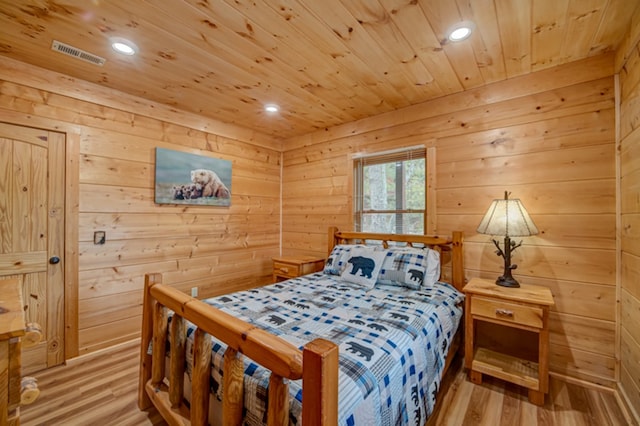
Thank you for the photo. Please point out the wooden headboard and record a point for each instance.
(452, 245)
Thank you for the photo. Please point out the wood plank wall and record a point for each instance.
(549, 139)
(628, 64)
(219, 249)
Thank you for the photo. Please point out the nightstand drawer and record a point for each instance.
(294, 266)
(286, 269)
(508, 312)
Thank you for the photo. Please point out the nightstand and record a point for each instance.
(293, 266)
(524, 308)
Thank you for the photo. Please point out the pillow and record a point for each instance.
(410, 267)
(432, 274)
(336, 261)
(363, 266)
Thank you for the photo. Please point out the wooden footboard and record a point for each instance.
(316, 364)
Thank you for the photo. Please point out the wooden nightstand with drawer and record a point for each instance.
(524, 308)
(293, 266)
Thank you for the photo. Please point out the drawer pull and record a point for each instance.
(285, 270)
(505, 313)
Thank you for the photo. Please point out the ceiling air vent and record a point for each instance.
(77, 53)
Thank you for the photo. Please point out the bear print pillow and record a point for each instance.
(410, 267)
(337, 260)
(363, 266)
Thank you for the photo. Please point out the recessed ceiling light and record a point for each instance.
(272, 108)
(124, 46)
(460, 31)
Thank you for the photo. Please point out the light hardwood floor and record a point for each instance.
(101, 389)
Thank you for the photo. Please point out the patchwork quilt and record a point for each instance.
(392, 340)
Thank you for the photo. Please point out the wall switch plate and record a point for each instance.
(194, 291)
(99, 237)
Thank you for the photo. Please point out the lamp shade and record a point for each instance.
(507, 218)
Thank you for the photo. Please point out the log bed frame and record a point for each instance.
(316, 363)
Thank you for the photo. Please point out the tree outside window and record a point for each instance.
(390, 194)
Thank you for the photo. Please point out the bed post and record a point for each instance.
(320, 383)
(200, 377)
(332, 239)
(457, 261)
(147, 331)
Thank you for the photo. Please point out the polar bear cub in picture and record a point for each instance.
(211, 184)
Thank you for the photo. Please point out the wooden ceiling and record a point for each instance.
(325, 62)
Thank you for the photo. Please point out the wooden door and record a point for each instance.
(32, 232)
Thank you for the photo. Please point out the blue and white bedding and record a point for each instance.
(392, 340)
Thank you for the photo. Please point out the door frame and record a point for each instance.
(73, 135)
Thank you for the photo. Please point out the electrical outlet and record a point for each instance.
(194, 291)
(99, 237)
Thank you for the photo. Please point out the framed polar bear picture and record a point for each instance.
(184, 178)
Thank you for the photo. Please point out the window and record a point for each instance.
(390, 192)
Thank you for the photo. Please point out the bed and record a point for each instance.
(362, 342)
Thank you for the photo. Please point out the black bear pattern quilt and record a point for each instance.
(393, 342)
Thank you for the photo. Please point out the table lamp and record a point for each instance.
(507, 218)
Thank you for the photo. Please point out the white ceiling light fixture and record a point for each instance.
(460, 31)
(271, 108)
(123, 46)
